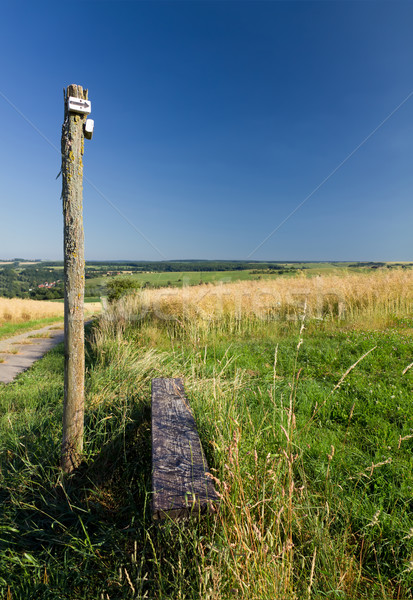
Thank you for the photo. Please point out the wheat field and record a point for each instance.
(368, 298)
(17, 310)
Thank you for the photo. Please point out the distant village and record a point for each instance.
(52, 284)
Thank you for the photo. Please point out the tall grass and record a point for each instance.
(365, 300)
(311, 504)
(306, 423)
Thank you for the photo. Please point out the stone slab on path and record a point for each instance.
(29, 349)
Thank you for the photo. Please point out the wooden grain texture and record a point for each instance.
(179, 482)
(74, 272)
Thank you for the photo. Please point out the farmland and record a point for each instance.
(43, 280)
(301, 389)
(96, 285)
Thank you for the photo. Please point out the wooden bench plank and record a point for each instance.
(179, 481)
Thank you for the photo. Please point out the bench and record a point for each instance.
(180, 484)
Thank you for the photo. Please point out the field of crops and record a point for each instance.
(15, 310)
(18, 315)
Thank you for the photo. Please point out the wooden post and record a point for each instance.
(74, 270)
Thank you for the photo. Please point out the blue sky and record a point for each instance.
(214, 121)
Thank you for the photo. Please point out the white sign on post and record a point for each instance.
(78, 105)
(88, 129)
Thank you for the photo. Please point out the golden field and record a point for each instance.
(17, 310)
(361, 297)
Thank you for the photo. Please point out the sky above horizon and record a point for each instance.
(234, 129)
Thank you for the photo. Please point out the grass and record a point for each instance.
(307, 426)
(365, 300)
(97, 285)
(10, 329)
(87, 300)
(40, 335)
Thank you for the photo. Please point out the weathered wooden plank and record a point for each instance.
(179, 481)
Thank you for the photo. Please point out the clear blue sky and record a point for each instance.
(214, 121)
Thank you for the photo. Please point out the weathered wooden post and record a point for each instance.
(77, 107)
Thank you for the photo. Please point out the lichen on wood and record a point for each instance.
(74, 266)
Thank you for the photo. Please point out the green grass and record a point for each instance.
(315, 481)
(86, 300)
(10, 329)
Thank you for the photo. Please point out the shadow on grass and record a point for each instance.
(88, 535)
(69, 537)
(75, 532)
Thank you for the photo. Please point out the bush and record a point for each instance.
(120, 287)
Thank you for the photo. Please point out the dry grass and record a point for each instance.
(17, 310)
(92, 308)
(366, 299)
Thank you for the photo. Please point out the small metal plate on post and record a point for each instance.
(78, 105)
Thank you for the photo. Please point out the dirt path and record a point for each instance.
(21, 351)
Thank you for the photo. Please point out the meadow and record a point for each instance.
(301, 388)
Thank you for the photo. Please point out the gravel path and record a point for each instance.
(29, 349)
